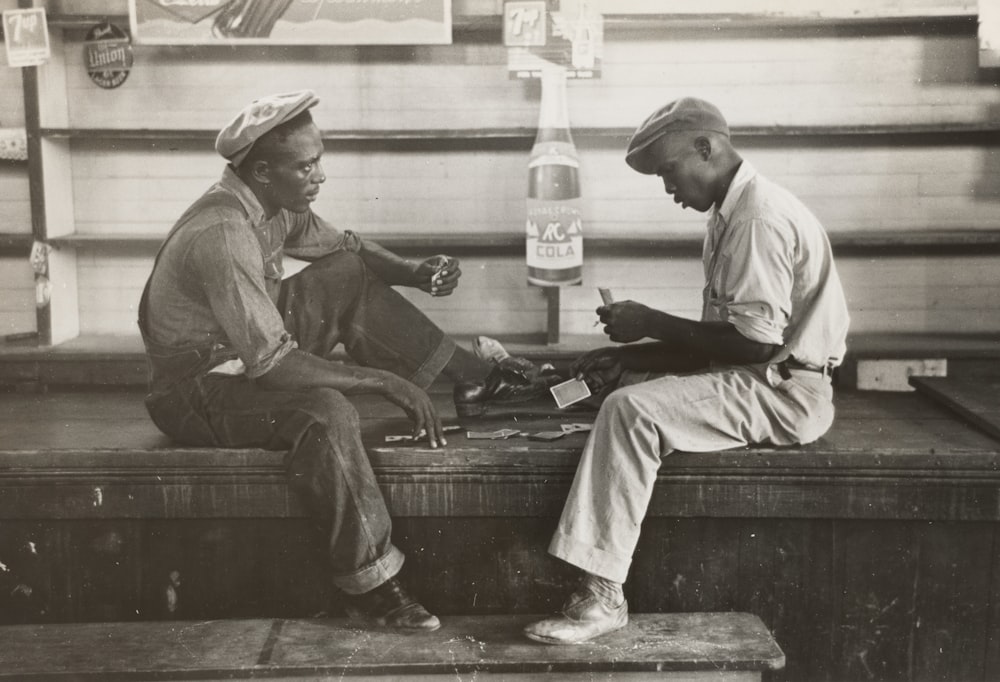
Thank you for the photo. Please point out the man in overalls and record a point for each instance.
(755, 368)
(239, 351)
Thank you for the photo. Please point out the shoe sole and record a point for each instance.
(562, 642)
(549, 640)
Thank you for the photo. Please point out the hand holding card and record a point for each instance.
(569, 392)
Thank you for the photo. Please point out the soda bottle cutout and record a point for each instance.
(554, 228)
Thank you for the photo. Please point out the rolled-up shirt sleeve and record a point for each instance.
(229, 262)
(759, 276)
(310, 237)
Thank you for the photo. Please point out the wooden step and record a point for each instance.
(975, 400)
(677, 646)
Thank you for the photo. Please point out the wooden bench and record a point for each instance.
(692, 646)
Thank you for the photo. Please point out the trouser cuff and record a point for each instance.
(434, 364)
(589, 558)
(371, 576)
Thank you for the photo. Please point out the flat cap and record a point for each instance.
(686, 113)
(236, 139)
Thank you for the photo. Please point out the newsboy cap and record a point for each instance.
(686, 113)
(236, 139)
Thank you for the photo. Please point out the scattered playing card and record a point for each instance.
(569, 392)
(408, 438)
(546, 435)
(500, 434)
(575, 428)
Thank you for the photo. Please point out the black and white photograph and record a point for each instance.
(500, 340)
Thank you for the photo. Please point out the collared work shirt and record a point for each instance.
(769, 271)
(218, 275)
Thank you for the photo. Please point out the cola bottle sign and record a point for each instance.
(553, 226)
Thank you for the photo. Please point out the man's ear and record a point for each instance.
(260, 171)
(703, 146)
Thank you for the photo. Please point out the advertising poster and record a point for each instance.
(290, 22)
(26, 37)
(568, 33)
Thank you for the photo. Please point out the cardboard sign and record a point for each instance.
(568, 33)
(107, 54)
(26, 35)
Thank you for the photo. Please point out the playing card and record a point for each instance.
(569, 392)
(575, 428)
(482, 435)
(546, 435)
(500, 434)
(407, 438)
(606, 296)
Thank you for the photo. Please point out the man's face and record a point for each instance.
(684, 170)
(295, 171)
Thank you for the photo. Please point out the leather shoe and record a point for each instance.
(503, 385)
(492, 351)
(584, 617)
(390, 605)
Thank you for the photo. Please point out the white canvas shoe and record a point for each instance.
(584, 617)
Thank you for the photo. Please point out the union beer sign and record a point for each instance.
(107, 54)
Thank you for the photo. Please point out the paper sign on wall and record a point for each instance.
(989, 34)
(26, 36)
(568, 33)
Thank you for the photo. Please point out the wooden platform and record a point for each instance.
(694, 646)
(90, 455)
(870, 553)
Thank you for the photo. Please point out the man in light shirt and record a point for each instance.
(755, 369)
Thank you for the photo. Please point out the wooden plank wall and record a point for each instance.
(806, 75)
(17, 293)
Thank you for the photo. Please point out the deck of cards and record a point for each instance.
(569, 392)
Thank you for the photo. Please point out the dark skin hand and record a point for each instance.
(681, 344)
(299, 370)
(438, 275)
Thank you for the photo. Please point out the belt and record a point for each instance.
(784, 366)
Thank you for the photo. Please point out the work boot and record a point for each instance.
(584, 617)
(390, 605)
(502, 386)
(493, 352)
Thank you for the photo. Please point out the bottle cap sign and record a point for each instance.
(107, 55)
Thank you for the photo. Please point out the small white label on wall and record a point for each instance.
(894, 375)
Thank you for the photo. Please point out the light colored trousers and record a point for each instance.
(640, 423)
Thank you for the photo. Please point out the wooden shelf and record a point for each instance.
(851, 243)
(929, 133)
(463, 24)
